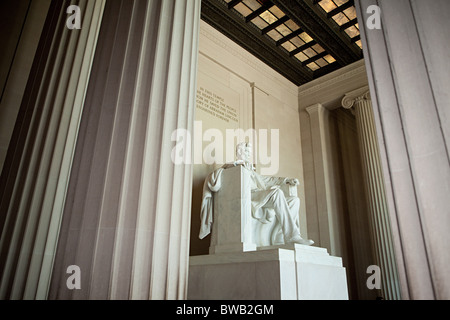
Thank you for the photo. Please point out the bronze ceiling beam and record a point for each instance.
(233, 3)
(341, 8)
(266, 6)
(327, 69)
(290, 36)
(348, 24)
(302, 48)
(306, 15)
(315, 58)
(274, 25)
(358, 37)
(234, 26)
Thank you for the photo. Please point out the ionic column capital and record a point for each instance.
(354, 97)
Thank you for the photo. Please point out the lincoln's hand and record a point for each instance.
(292, 182)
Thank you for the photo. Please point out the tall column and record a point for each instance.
(360, 254)
(126, 221)
(379, 218)
(36, 171)
(406, 59)
(321, 227)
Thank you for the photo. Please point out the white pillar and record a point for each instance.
(126, 222)
(324, 229)
(37, 167)
(361, 253)
(379, 218)
(409, 73)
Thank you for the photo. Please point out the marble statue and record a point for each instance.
(268, 200)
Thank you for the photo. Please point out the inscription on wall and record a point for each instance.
(215, 105)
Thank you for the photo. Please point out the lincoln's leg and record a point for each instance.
(294, 208)
(288, 221)
(282, 211)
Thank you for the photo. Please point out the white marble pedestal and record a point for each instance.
(291, 272)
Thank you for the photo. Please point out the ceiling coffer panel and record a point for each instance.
(301, 39)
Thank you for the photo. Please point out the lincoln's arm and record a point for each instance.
(272, 181)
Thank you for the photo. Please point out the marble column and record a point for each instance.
(36, 171)
(126, 221)
(360, 255)
(379, 218)
(409, 73)
(322, 227)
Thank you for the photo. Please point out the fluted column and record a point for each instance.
(36, 172)
(126, 222)
(412, 115)
(361, 103)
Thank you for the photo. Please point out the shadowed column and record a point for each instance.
(36, 171)
(127, 215)
(379, 218)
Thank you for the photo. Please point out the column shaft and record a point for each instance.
(412, 115)
(325, 220)
(375, 191)
(126, 220)
(37, 167)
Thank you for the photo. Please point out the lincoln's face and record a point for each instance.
(248, 152)
(244, 151)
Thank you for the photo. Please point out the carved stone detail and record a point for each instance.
(358, 95)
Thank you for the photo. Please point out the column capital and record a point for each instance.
(314, 108)
(351, 98)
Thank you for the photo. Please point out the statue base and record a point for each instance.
(288, 272)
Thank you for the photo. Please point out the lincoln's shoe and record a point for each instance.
(300, 240)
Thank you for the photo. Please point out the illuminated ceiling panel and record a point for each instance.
(302, 39)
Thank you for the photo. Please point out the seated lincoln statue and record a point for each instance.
(268, 201)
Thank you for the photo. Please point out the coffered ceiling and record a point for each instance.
(301, 39)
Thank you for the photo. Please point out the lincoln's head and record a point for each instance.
(244, 151)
